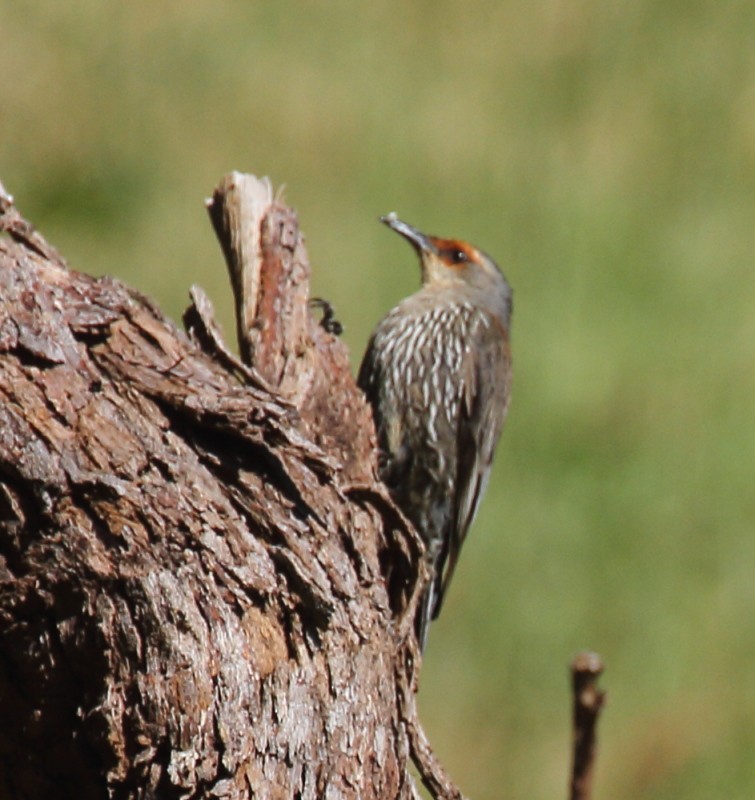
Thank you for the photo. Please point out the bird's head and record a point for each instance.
(451, 262)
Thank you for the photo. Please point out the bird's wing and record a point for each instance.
(367, 378)
(374, 375)
(485, 384)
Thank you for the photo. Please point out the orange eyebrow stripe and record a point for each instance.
(446, 247)
(450, 244)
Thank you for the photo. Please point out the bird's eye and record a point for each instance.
(458, 256)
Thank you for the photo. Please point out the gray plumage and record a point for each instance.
(437, 373)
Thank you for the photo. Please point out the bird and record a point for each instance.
(437, 374)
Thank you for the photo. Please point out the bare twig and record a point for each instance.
(586, 668)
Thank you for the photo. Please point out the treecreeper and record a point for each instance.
(437, 373)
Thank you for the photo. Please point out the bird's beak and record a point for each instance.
(419, 240)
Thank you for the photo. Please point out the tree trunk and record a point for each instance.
(204, 590)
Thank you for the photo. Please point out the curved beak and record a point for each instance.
(418, 239)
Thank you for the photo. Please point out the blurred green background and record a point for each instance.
(604, 153)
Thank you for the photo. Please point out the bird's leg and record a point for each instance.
(328, 322)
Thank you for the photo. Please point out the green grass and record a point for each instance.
(604, 153)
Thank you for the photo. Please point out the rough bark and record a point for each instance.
(204, 591)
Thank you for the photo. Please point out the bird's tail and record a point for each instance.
(425, 615)
(429, 604)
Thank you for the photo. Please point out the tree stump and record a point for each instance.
(204, 589)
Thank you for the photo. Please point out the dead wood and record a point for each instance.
(204, 591)
(588, 701)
